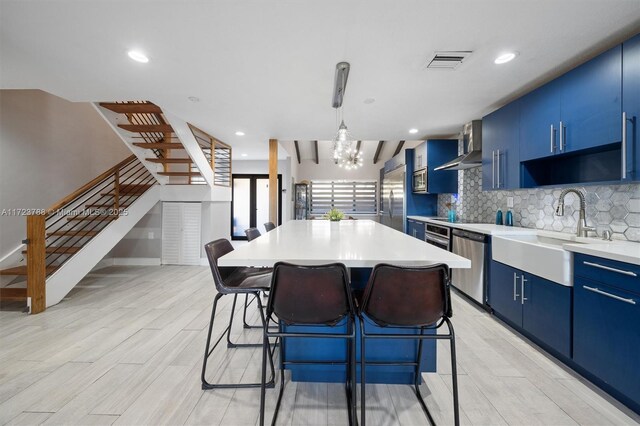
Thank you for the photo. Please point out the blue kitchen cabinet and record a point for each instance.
(415, 228)
(546, 312)
(539, 308)
(504, 293)
(606, 324)
(437, 152)
(500, 148)
(591, 105)
(579, 110)
(539, 120)
(631, 106)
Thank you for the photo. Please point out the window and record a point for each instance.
(355, 197)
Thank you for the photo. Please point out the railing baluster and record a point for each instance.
(116, 190)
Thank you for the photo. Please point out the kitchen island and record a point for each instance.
(360, 245)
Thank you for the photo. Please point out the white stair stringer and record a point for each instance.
(113, 119)
(62, 281)
(191, 145)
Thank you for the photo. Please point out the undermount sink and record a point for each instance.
(541, 255)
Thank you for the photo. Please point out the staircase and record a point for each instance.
(148, 128)
(57, 234)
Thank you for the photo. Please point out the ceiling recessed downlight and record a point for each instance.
(413, 131)
(138, 56)
(505, 57)
(239, 133)
(244, 154)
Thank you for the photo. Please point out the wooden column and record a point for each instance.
(273, 181)
(36, 266)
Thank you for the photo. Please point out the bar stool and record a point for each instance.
(252, 233)
(310, 296)
(412, 298)
(269, 226)
(233, 280)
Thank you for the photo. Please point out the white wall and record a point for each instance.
(49, 147)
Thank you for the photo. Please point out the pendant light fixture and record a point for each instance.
(344, 153)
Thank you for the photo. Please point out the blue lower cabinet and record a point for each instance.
(415, 228)
(504, 293)
(606, 337)
(546, 312)
(540, 308)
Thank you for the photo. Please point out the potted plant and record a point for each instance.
(334, 215)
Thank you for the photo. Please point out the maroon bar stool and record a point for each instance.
(407, 298)
(318, 295)
(269, 226)
(252, 233)
(235, 281)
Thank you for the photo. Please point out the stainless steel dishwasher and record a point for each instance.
(472, 282)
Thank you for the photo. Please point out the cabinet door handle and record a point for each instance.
(561, 130)
(613, 296)
(609, 268)
(551, 139)
(624, 145)
(515, 286)
(498, 168)
(493, 169)
(524, 280)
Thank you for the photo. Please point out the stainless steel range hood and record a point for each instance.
(472, 141)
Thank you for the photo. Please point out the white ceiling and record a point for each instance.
(266, 67)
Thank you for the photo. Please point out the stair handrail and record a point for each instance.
(221, 168)
(87, 186)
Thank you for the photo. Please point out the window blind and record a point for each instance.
(350, 197)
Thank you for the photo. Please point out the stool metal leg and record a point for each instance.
(418, 378)
(209, 350)
(231, 344)
(363, 376)
(454, 374)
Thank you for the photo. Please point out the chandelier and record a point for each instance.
(346, 152)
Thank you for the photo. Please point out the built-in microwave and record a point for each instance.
(419, 181)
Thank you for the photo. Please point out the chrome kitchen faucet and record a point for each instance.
(583, 229)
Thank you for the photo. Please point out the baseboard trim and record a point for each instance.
(136, 261)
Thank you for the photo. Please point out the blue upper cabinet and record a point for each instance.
(631, 107)
(591, 106)
(580, 110)
(437, 152)
(500, 148)
(539, 121)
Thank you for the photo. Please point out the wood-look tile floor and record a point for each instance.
(126, 347)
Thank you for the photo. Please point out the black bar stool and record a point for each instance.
(310, 295)
(233, 280)
(252, 233)
(408, 298)
(269, 226)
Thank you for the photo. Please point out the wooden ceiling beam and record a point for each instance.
(297, 151)
(398, 148)
(378, 151)
(315, 152)
(358, 147)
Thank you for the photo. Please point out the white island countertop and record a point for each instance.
(356, 243)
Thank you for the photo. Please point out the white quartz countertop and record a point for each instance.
(483, 228)
(356, 243)
(622, 251)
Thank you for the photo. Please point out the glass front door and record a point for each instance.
(250, 204)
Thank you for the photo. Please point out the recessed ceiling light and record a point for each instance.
(369, 100)
(138, 56)
(194, 98)
(244, 155)
(505, 57)
(239, 133)
(413, 131)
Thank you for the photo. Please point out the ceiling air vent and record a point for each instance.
(448, 60)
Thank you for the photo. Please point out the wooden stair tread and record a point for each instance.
(132, 108)
(147, 128)
(179, 173)
(159, 145)
(71, 232)
(13, 293)
(59, 249)
(22, 270)
(170, 160)
(92, 218)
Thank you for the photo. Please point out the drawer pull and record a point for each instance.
(613, 296)
(608, 268)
